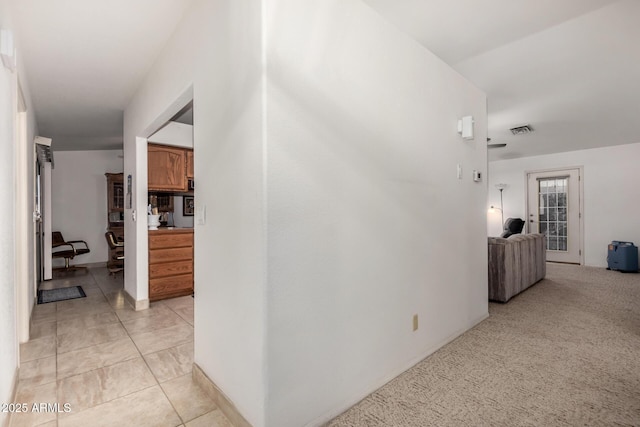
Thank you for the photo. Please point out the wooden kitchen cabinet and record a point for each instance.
(189, 164)
(115, 211)
(170, 263)
(166, 168)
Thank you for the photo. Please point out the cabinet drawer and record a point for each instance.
(170, 255)
(170, 269)
(168, 287)
(173, 240)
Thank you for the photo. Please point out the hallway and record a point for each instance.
(113, 366)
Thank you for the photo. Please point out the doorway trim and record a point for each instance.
(22, 218)
(581, 215)
(136, 278)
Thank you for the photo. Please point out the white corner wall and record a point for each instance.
(216, 51)
(367, 221)
(79, 199)
(9, 349)
(331, 197)
(611, 197)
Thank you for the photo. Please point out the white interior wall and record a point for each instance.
(367, 221)
(25, 280)
(611, 201)
(79, 199)
(216, 51)
(9, 347)
(9, 350)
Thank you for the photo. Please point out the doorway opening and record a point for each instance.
(171, 206)
(554, 208)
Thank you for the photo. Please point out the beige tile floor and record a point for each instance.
(114, 366)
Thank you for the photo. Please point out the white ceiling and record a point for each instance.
(84, 60)
(569, 68)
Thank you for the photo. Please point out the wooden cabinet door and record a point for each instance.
(166, 168)
(190, 164)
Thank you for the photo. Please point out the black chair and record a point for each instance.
(512, 226)
(67, 249)
(116, 263)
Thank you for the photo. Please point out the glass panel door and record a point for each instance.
(554, 210)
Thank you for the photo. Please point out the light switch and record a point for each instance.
(201, 214)
(459, 171)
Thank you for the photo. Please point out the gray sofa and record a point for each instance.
(515, 264)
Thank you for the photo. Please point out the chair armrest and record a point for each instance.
(58, 245)
(77, 241)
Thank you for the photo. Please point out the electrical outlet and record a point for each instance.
(415, 322)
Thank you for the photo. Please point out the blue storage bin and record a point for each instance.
(622, 256)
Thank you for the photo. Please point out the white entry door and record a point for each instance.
(553, 200)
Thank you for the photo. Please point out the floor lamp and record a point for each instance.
(501, 188)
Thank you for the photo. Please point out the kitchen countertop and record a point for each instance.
(165, 230)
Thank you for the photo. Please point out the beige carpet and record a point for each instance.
(564, 352)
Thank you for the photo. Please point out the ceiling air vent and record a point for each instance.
(521, 130)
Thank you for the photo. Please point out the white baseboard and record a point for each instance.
(137, 305)
(382, 381)
(5, 418)
(221, 400)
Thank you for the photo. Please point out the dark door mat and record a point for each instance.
(52, 295)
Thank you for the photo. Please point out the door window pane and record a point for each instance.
(543, 186)
(552, 216)
(562, 243)
(543, 214)
(551, 186)
(562, 229)
(562, 214)
(562, 200)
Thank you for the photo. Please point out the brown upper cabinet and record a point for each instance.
(166, 168)
(189, 164)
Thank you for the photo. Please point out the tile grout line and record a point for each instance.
(96, 369)
(151, 370)
(124, 361)
(128, 334)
